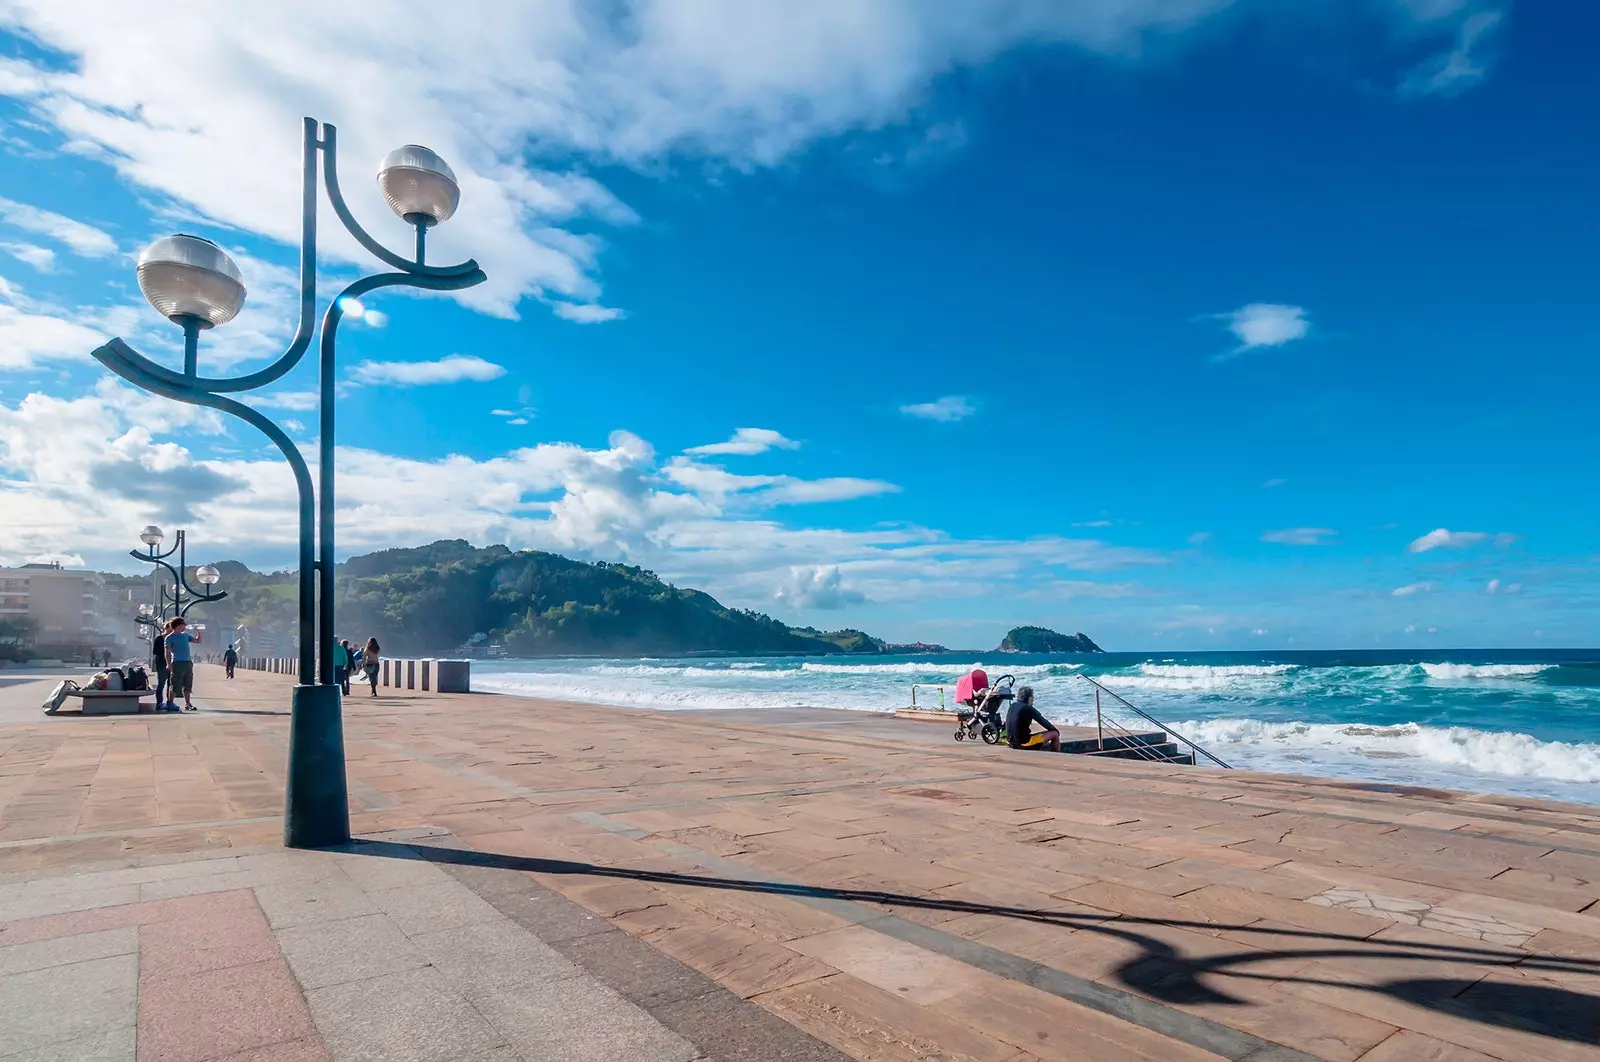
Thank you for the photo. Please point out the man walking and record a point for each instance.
(229, 659)
(181, 661)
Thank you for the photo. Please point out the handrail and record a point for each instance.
(1156, 722)
(927, 686)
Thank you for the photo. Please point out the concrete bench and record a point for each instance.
(112, 702)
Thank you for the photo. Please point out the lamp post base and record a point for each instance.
(316, 807)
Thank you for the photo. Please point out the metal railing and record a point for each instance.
(1143, 752)
(926, 686)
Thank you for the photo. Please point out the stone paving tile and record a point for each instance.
(412, 1016)
(894, 966)
(61, 951)
(348, 949)
(117, 1045)
(219, 1012)
(578, 1020)
(492, 953)
(44, 1007)
(1406, 1046)
(303, 902)
(432, 907)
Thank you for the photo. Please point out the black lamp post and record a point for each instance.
(206, 574)
(192, 282)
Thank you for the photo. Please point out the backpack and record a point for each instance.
(136, 678)
(58, 696)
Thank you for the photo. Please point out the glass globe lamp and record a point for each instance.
(187, 277)
(419, 185)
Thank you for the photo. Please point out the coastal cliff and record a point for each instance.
(1044, 640)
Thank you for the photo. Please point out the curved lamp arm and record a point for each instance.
(330, 178)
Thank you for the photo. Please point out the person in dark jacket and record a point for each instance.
(230, 660)
(158, 661)
(1020, 718)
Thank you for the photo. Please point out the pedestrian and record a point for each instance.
(369, 663)
(230, 659)
(158, 661)
(341, 665)
(181, 661)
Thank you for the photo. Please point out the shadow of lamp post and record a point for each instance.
(192, 282)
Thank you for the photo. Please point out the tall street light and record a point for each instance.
(194, 283)
(207, 575)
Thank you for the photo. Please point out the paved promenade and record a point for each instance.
(540, 881)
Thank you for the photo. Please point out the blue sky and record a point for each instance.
(1185, 323)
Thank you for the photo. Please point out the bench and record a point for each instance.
(112, 702)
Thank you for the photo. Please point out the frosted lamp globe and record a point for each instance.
(186, 276)
(151, 535)
(207, 574)
(419, 185)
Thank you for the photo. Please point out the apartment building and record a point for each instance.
(63, 609)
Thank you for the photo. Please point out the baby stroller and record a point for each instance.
(984, 706)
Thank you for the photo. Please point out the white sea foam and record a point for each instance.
(1456, 672)
(1483, 751)
(1214, 671)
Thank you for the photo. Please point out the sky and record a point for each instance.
(1189, 324)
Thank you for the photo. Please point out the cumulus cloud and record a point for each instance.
(1412, 589)
(1443, 538)
(1300, 536)
(947, 409)
(81, 239)
(818, 587)
(585, 313)
(452, 369)
(717, 483)
(1262, 325)
(746, 441)
(1495, 586)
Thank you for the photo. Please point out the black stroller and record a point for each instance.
(983, 714)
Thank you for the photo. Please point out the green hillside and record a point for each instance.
(434, 598)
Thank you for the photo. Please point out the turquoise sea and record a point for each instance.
(1502, 721)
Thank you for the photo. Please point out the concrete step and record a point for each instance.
(1088, 746)
(1165, 750)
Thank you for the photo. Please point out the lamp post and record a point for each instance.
(194, 283)
(206, 574)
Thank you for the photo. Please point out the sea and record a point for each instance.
(1520, 722)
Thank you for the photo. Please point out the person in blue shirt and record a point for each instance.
(181, 661)
(341, 665)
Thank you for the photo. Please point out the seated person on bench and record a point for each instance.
(1019, 723)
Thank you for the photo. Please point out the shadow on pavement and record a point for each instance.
(1165, 973)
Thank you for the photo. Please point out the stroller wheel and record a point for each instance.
(991, 735)
(961, 733)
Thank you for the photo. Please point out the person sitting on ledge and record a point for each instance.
(1020, 718)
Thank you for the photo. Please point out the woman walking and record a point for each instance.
(369, 663)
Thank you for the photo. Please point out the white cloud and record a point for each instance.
(1411, 628)
(817, 587)
(452, 369)
(1464, 65)
(949, 408)
(1299, 536)
(585, 313)
(1443, 538)
(85, 240)
(718, 485)
(1259, 631)
(1495, 586)
(1412, 589)
(41, 258)
(747, 441)
(1263, 324)
(296, 400)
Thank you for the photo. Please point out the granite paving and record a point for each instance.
(543, 880)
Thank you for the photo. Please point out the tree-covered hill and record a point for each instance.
(1045, 640)
(434, 598)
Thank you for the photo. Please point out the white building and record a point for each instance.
(61, 608)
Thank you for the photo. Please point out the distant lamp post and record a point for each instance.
(192, 282)
(207, 575)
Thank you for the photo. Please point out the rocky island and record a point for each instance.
(1044, 640)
